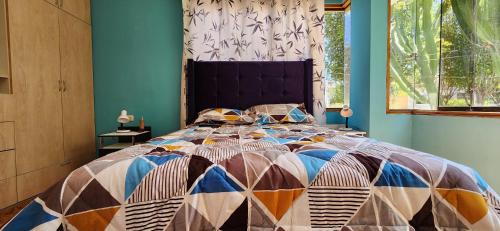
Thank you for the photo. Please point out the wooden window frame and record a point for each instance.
(337, 7)
(491, 112)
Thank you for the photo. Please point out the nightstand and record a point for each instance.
(122, 139)
(348, 133)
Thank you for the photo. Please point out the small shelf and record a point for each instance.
(337, 128)
(123, 134)
(125, 139)
(117, 146)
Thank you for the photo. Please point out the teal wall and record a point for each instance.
(360, 64)
(360, 67)
(468, 140)
(137, 62)
(391, 128)
(137, 66)
(471, 141)
(368, 71)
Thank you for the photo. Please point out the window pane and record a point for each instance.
(402, 54)
(427, 34)
(470, 41)
(486, 34)
(457, 61)
(334, 58)
(444, 53)
(347, 56)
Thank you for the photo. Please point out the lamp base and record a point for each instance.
(122, 131)
(345, 129)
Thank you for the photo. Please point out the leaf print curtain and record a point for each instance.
(256, 30)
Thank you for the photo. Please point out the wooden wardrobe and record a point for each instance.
(52, 90)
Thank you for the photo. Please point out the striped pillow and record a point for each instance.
(280, 113)
(223, 116)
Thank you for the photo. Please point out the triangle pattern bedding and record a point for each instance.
(265, 177)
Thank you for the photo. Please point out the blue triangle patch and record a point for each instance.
(480, 181)
(164, 142)
(136, 171)
(271, 131)
(278, 140)
(324, 154)
(159, 160)
(214, 181)
(312, 164)
(29, 218)
(397, 176)
(297, 115)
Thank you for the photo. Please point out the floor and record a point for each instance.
(9, 212)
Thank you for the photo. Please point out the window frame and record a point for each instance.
(491, 112)
(344, 6)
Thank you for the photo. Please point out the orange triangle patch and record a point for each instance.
(209, 141)
(318, 138)
(172, 147)
(231, 117)
(472, 206)
(278, 202)
(257, 135)
(93, 220)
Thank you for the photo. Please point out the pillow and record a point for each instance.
(280, 113)
(223, 116)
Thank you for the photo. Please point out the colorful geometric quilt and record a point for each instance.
(279, 177)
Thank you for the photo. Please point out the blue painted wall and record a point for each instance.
(467, 140)
(137, 62)
(471, 141)
(391, 128)
(137, 66)
(360, 68)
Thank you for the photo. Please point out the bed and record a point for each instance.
(263, 177)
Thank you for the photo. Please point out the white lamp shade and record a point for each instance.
(123, 118)
(346, 112)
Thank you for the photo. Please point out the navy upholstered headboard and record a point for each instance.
(242, 84)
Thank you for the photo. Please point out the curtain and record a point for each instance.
(256, 30)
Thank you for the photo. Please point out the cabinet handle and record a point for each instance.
(61, 3)
(57, 3)
(60, 85)
(64, 86)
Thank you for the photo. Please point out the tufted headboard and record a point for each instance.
(242, 84)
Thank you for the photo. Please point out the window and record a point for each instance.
(337, 55)
(444, 56)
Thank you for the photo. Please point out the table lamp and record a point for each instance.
(346, 112)
(123, 118)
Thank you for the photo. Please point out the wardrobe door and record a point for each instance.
(34, 37)
(78, 97)
(53, 2)
(78, 8)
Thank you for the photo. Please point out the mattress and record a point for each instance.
(265, 177)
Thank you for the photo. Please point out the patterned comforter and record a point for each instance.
(281, 177)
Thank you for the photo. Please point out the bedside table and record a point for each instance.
(125, 139)
(348, 133)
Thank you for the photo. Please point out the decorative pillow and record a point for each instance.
(223, 116)
(280, 113)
